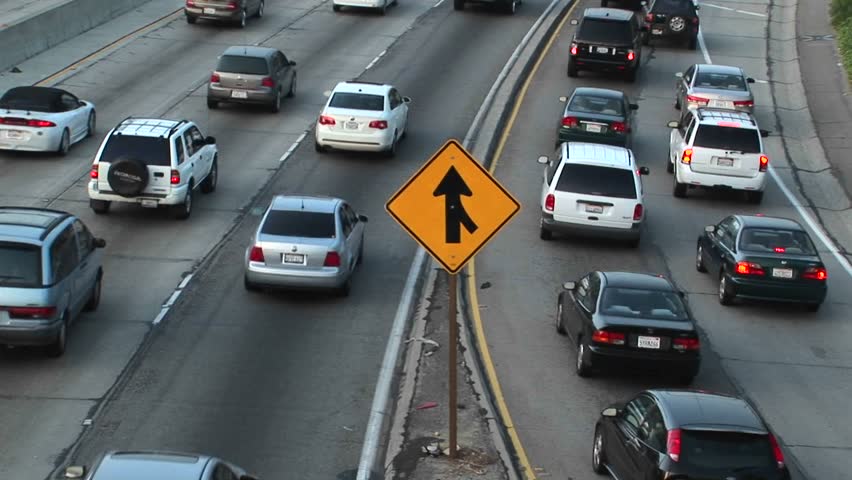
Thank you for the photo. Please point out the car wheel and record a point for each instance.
(544, 233)
(677, 103)
(669, 166)
(572, 69)
(560, 328)
(184, 210)
(276, 103)
(251, 287)
(677, 24)
(679, 189)
(699, 259)
(458, 5)
(754, 197)
(64, 143)
(598, 456)
(391, 151)
(344, 289)
(95, 298)
(319, 148)
(335, 8)
(292, 92)
(582, 367)
(57, 348)
(726, 291)
(813, 307)
(631, 75)
(634, 242)
(209, 183)
(242, 21)
(511, 7)
(191, 20)
(260, 7)
(100, 207)
(212, 104)
(91, 125)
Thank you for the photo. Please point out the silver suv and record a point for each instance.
(50, 270)
(153, 163)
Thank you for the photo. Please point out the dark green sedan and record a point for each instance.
(762, 258)
(596, 115)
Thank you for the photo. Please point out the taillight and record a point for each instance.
(612, 338)
(256, 254)
(649, 17)
(673, 444)
(232, 5)
(569, 122)
(332, 259)
(749, 268)
(687, 156)
(326, 120)
(743, 103)
(815, 273)
(630, 55)
(94, 173)
(695, 20)
(637, 212)
(776, 450)
(764, 163)
(267, 82)
(24, 122)
(30, 313)
(175, 177)
(573, 48)
(214, 78)
(620, 127)
(40, 123)
(549, 202)
(380, 124)
(684, 344)
(694, 99)
(190, 3)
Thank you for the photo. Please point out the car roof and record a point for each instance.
(309, 203)
(41, 93)
(249, 51)
(697, 409)
(637, 280)
(720, 116)
(148, 127)
(27, 223)
(147, 465)
(599, 92)
(769, 222)
(597, 154)
(363, 87)
(713, 68)
(608, 13)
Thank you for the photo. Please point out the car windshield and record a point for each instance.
(725, 450)
(358, 101)
(639, 303)
(744, 140)
(595, 30)
(298, 223)
(794, 242)
(599, 105)
(720, 81)
(152, 151)
(595, 180)
(20, 265)
(241, 64)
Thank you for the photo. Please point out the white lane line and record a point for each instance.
(717, 6)
(375, 60)
(803, 212)
(746, 12)
(171, 301)
(438, 4)
(293, 147)
(161, 315)
(185, 281)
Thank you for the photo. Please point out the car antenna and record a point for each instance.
(303, 203)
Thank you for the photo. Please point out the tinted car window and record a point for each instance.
(633, 302)
(600, 105)
(594, 180)
(725, 449)
(768, 240)
(743, 140)
(150, 150)
(293, 223)
(20, 265)
(593, 30)
(238, 64)
(723, 81)
(358, 101)
(673, 6)
(64, 255)
(30, 99)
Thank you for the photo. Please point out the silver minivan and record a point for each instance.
(50, 271)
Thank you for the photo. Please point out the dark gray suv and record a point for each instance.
(50, 271)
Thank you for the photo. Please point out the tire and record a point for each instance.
(699, 259)
(212, 104)
(100, 207)
(251, 287)
(560, 328)
(209, 183)
(754, 197)
(669, 166)
(677, 103)
(572, 69)
(128, 176)
(275, 107)
(191, 20)
(335, 8)
(458, 5)
(319, 148)
(545, 234)
(677, 24)
(391, 151)
(726, 293)
(292, 92)
(813, 307)
(598, 455)
(634, 242)
(583, 369)
(91, 125)
(241, 23)
(57, 348)
(260, 8)
(345, 289)
(679, 189)
(95, 298)
(64, 143)
(511, 7)
(631, 75)
(184, 210)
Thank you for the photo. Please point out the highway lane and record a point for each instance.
(792, 364)
(283, 383)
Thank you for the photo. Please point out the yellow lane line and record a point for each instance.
(143, 29)
(490, 371)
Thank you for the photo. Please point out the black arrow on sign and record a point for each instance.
(452, 187)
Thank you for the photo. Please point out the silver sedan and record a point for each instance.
(306, 242)
(714, 86)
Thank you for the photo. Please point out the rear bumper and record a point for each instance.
(666, 32)
(220, 15)
(291, 279)
(791, 293)
(223, 94)
(585, 63)
(631, 360)
(175, 197)
(630, 233)
(33, 140)
(378, 141)
(36, 332)
(685, 174)
(572, 135)
(361, 3)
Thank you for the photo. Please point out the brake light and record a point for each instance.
(815, 273)
(256, 254)
(695, 20)
(569, 122)
(637, 212)
(684, 344)
(550, 202)
(764, 163)
(779, 249)
(673, 444)
(332, 259)
(687, 156)
(175, 177)
(232, 6)
(380, 124)
(94, 173)
(30, 313)
(40, 123)
(214, 78)
(326, 120)
(630, 55)
(573, 48)
(620, 127)
(267, 82)
(190, 3)
(743, 103)
(23, 122)
(649, 17)
(749, 268)
(776, 450)
(612, 338)
(694, 99)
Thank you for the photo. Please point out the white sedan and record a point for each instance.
(44, 119)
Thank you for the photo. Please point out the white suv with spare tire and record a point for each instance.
(153, 163)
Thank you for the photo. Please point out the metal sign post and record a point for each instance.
(454, 374)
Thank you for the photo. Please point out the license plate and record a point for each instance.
(725, 162)
(149, 203)
(782, 272)
(657, 31)
(209, 11)
(648, 342)
(594, 209)
(14, 134)
(603, 50)
(294, 258)
(721, 104)
(239, 94)
(352, 125)
(593, 128)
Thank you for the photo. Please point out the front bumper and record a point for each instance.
(30, 332)
(328, 278)
(792, 293)
(217, 14)
(611, 358)
(685, 175)
(579, 229)
(378, 141)
(575, 135)
(224, 94)
(175, 196)
(30, 139)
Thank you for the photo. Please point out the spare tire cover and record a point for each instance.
(128, 176)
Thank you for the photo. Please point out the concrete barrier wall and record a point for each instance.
(31, 36)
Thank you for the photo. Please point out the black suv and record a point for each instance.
(674, 19)
(607, 39)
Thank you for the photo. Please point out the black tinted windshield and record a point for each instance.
(768, 240)
(725, 450)
(598, 105)
(238, 64)
(152, 151)
(296, 223)
(594, 180)
(721, 81)
(20, 265)
(745, 140)
(593, 30)
(358, 101)
(632, 302)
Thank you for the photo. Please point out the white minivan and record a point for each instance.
(592, 189)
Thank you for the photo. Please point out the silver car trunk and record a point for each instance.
(296, 253)
(717, 95)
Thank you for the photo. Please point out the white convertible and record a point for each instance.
(44, 119)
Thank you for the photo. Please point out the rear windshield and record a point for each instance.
(358, 101)
(295, 223)
(745, 140)
(768, 240)
(239, 64)
(594, 180)
(20, 265)
(721, 81)
(732, 450)
(599, 105)
(152, 151)
(633, 302)
(593, 30)
(673, 6)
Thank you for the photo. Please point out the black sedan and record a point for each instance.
(762, 258)
(622, 320)
(662, 434)
(672, 19)
(597, 115)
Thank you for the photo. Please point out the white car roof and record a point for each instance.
(597, 154)
(363, 87)
(147, 127)
(727, 118)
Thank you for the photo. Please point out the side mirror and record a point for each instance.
(362, 218)
(679, 75)
(406, 99)
(698, 7)
(543, 160)
(633, 106)
(644, 171)
(563, 99)
(292, 63)
(710, 228)
(574, 21)
(674, 124)
(569, 285)
(100, 243)
(750, 80)
(609, 412)
(764, 133)
(210, 140)
(75, 471)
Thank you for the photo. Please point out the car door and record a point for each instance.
(357, 230)
(64, 266)
(720, 244)
(727, 252)
(348, 228)
(585, 306)
(203, 158)
(72, 112)
(395, 107)
(191, 155)
(652, 442)
(683, 85)
(623, 447)
(287, 72)
(89, 261)
(550, 173)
